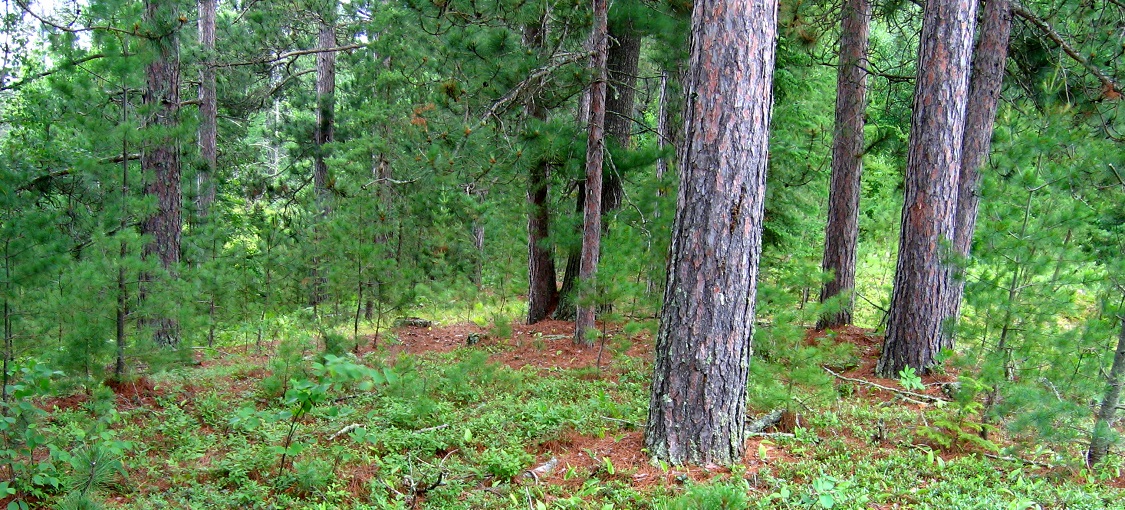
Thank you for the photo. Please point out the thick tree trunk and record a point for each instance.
(697, 407)
(160, 157)
(595, 154)
(325, 109)
(916, 329)
(1107, 414)
(542, 294)
(208, 111)
(325, 130)
(621, 64)
(622, 60)
(842, 231)
(984, 97)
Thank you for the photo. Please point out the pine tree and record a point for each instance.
(842, 231)
(916, 329)
(160, 156)
(698, 398)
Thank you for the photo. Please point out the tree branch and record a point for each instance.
(531, 83)
(288, 54)
(26, 8)
(903, 393)
(1110, 88)
(65, 65)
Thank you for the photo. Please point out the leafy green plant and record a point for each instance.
(910, 380)
(20, 434)
(954, 427)
(505, 464)
(722, 496)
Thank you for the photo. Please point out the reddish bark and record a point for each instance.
(842, 231)
(595, 153)
(916, 326)
(160, 156)
(697, 409)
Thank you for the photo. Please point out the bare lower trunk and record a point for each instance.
(697, 406)
(160, 158)
(842, 230)
(984, 97)
(208, 111)
(595, 153)
(622, 58)
(916, 325)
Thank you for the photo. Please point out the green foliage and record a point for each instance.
(910, 380)
(720, 496)
(505, 464)
(954, 426)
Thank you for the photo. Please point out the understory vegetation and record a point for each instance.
(326, 254)
(436, 417)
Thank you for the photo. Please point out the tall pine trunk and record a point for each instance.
(595, 154)
(697, 409)
(842, 231)
(160, 156)
(1101, 437)
(621, 66)
(208, 111)
(984, 97)
(916, 326)
(543, 294)
(325, 130)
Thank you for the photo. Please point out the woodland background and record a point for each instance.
(333, 166)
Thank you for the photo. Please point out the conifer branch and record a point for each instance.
(1110, 88)
(287, 55)
(135, 32)
(43, 74)
(532, 83)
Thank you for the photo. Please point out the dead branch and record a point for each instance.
(531, 83)
(288, 54)
(1109, 86)
(345, 430)
(542, 470)
(1019, 459)
(766, 421)
(431, 429)
(922, 397)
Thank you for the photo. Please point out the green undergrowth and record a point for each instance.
(306, 429)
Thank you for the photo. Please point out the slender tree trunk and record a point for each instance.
(842, 231)
(325, 130)
(662, 132)
(622, 60)
(697, 409)
(160, 157)
(208, 111)
(1107, 414)
(9, 334)
(984, 97)
(208, 140)
(122, 314)
(916, 329)
(478, 241)
(595, 154)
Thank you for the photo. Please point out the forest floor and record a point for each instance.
(465, 416)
